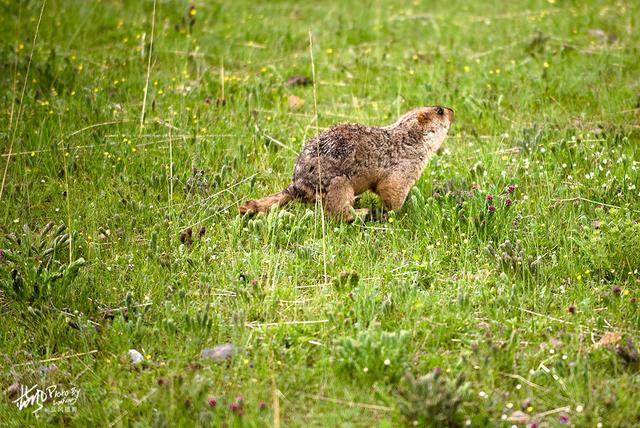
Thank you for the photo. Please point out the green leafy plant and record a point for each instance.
(200, 323)
(37, 261)
(531, 138)
(373, 354)
(615, 247)
(432, 400)
(346, 280)
(510, 257)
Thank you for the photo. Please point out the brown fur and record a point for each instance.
(349, 159)
(264, 204)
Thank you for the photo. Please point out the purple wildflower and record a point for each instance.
(564, 418)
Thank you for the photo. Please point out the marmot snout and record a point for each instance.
(349, 159)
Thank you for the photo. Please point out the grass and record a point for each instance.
(546, 98)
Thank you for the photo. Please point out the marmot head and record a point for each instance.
(429, 124)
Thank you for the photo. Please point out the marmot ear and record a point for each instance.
(423, 117)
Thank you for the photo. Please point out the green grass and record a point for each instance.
(546, 96)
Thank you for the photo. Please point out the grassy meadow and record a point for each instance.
(503, 293)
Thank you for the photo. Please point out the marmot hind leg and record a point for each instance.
(338, 198)
(393, 190)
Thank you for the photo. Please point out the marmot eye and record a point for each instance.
(440, 111)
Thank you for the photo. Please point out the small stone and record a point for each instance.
(45, 370)
(298, 81)
(219, 353)
(13, 390)
(295, 103)
(609, 338)
(136, 357)
(519, 417)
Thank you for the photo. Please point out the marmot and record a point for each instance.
(349, 159)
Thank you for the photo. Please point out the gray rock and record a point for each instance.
(45, 370)
(136, 357)
(13, 390)
(220, 353)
